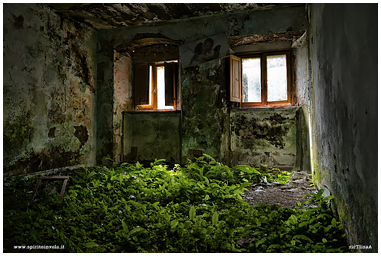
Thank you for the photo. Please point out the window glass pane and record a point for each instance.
(276, 78)
(160, 75)
(251, 80)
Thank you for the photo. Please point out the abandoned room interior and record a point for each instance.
(287, 86)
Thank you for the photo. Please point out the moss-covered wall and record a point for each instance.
(65, 91)
(49, 87)
(204, 89)
(303, 149)
(204, 109)
(343, 112)
(152, 135)
(264, 137)
(105, 100)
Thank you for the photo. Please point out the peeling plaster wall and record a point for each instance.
(206, 124)
(64, 107)
(301, 96)
(123, 100)
(343, 107)
(48, 90)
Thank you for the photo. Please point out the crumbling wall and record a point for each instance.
(343, 108)
(204, 89)
(205, 110)
(48, 90)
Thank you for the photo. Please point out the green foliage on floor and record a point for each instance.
(195, 208)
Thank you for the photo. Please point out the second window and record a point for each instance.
(261, 79)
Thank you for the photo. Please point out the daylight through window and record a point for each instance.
(155, 86)
(261, 79)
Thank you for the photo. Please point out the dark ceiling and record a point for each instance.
(109, 16)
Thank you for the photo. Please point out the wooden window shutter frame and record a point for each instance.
(171, 82)
(235, 79)
(141, 84)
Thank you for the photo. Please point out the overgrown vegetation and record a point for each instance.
(196, 208)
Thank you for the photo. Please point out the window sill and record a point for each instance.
(140, 111)
(265, 106)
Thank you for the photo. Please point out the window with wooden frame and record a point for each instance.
(155, 85)
(261, 79)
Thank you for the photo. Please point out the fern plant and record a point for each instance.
(194, 208)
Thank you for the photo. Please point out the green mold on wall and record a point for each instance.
(254, 131)
(264, 136)
(203, 107)
(49, 90)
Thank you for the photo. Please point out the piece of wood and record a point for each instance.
(63, 188)
(141, 84)
(65, 178)
(171, 70)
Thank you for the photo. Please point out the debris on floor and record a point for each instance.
(286, 195)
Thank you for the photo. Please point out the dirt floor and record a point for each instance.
(285, 195)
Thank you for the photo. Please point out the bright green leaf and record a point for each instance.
(90, 244)
(215, 218)
(192, 213)
(174, 223)
(91, 174)
(302, 237)
(135, 230)
(319, 194)
(293, 219)
(125, 228)
(305, 223)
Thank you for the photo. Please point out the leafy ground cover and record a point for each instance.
(195, 208)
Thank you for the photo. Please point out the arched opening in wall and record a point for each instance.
(147, 92)
(155, 72)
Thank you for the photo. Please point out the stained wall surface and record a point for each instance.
(49, 88)
(64, 107)
(343, 108)
(264, 137)
(301, 77)
(122, 101)
(205, 110)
